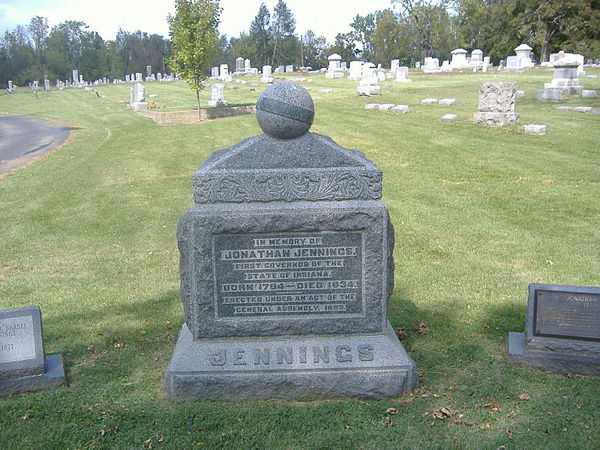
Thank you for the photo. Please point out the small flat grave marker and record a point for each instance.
(563, 330)
(23, 366)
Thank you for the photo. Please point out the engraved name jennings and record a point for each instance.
(288, 274)
(282, 355)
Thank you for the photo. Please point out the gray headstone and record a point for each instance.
(497, 104)
(563, 330)
(23, 365)
(286, 269)
(535, 129)
(553, 95)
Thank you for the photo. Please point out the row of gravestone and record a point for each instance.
(286, 270)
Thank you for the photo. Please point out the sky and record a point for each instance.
(325, 17)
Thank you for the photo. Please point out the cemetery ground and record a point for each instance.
(88, 234)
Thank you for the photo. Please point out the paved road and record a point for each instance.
(24, 139)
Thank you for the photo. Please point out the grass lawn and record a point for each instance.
(88, 234)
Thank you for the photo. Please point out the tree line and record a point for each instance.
(409, 30)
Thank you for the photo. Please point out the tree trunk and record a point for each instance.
(198, 103)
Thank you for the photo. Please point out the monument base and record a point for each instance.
(551, 361)
(291, 368)
(54, 376)
(495, 118)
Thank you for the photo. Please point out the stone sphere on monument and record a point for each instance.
(285, 110)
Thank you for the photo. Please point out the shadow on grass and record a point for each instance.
(117, 342)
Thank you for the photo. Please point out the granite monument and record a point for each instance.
(286, 269)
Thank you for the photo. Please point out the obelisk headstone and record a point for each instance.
(286, 269)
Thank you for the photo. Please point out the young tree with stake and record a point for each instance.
(194, 40)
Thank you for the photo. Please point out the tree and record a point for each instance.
(282, 29)
(429, 27)
(546, 20)
(38, 30)
(261, 36)
(363, 33)
(314, 50)
(388, 41)
(194, 39)
(344, 46)
(19, 56)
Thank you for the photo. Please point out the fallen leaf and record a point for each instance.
(119, 345)
(391, 411)
(408, 401)
(493, 405)
(422, 328)
(443, 413)
(546, 433)
(485, 426)
(524, 397)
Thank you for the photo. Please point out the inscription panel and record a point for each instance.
(17, 342)
(564, 314)
(288, 274)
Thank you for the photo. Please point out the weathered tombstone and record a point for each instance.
(551, 95)
(335, 69)
(137, 101)
(239, 64)
(138, 77)
(369, 83)
(216, 95)
(535, 129)
(402, 75)
(289, 68)
(127, 78)
(512, 63)
(565, 77)
(562, 332)
(224, 73)
(75, 77)
(23, 365)
(46, 83)
(10, 86)
(81, 82)
(247, 66)
(431, 65)
(266, 74)
(355, 70)
(286, 269)
(459, 59)
(394, 64)
(497, 104)
(524, 56)
(148, 71)
(214, 72)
